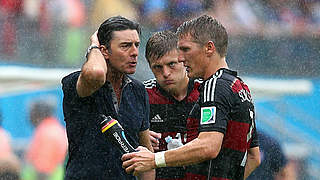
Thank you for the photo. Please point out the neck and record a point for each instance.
(115, 78)
(182, 90)
(214, 66)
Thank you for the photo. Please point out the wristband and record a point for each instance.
(90, 48)
(160, 159)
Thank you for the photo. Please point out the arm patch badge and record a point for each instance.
(208, 115)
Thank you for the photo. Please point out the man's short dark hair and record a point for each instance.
(203, 29)
(116, 23)
(159, 44)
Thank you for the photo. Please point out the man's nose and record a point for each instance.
(134, 50)
(166, 71)
(181, 58)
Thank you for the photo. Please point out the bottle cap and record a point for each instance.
(168, 139)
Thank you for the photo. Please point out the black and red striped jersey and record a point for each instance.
(171, 118)
(225, 105)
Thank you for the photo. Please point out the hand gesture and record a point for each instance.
(138, 162)
(154, 138)
(94, 39)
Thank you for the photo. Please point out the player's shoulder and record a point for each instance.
(221, 80)
(224, 76)
(150, 83)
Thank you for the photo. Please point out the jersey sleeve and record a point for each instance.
(69, 85)
(71, 99)
(255, 138)
(214, 106)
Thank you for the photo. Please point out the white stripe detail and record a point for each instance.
(209, 170)
(213, 87)
(198, 80)
(149, 84)
(209, 88)
(249, 135)
(218, 74)
(244, 160)
(205, 92)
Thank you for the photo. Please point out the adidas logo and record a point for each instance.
(156, 118)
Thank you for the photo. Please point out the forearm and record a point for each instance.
(188, 154)
(253, 161)
(95, 68)
(249, 168)
(145, 139)
(93, 73)
(207, 146)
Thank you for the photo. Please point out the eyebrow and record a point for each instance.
(156, 65)
(128, 42)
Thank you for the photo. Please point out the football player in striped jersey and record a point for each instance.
(227, 145)
(171, 96)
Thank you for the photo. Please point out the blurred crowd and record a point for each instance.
(44, 153)
(261, 17)
(55, 33)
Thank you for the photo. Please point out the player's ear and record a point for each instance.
(210, 48)
(105, 52)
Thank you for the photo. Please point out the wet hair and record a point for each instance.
(159, 44)
(203, 29)
(116, 23)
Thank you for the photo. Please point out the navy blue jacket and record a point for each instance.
(91, 155)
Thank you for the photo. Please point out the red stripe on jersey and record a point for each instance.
(192, 129)
(239, 85)
(190, 176)
(236, 136)
(157, 97)
(193, 96)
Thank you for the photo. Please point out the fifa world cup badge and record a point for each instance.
(208, 115)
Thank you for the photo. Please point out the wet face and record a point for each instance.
(192, 55)
(124, 51)
(169, 72)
